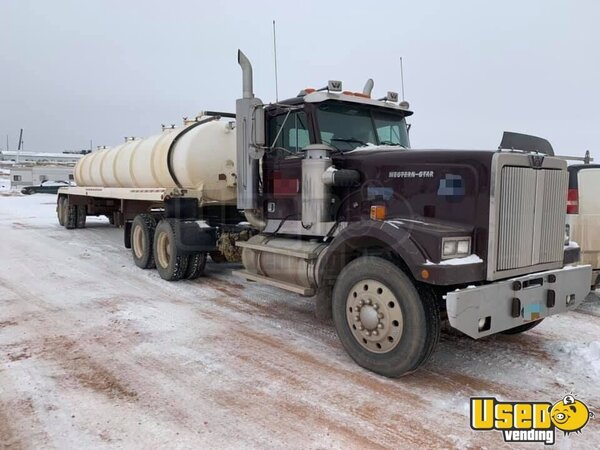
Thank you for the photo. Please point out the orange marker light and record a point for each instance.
(378, 212)
(309, 90)
(425, 274)
(360, 94)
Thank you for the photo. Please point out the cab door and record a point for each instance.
(282, 165)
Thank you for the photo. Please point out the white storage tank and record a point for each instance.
(200, 156)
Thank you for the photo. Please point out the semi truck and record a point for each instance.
(322, 195)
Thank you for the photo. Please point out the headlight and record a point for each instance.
(456, 247)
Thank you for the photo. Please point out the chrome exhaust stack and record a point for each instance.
(250, 145)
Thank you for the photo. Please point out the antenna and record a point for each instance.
(402, 77)
(275, 58)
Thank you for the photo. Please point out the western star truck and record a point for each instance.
(322, 196)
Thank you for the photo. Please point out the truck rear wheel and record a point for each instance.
(171, 265)
(195, 266)
(142, 240)
(385, 324)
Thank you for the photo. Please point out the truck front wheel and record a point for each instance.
(385, 324)
(170, 263)
(142, 239)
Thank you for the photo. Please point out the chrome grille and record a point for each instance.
(531, 218)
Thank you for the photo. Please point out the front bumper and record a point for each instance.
(484, 310)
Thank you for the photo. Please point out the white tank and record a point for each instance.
(202, 159)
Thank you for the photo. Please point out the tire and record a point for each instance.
(170, 264)
(60, 210)
(195, 266)
(81, 215)
(70, 215)
(522, 328)
(127, 235)
(142, 241)
(400, 324)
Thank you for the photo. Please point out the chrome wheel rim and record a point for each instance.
(374, 316)
(163, 250)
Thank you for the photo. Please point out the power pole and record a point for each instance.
(20, 145)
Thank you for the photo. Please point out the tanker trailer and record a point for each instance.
(184, 175)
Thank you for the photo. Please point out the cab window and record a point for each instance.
(294, 136)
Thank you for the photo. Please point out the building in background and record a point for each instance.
(39, 157)
(34, 175)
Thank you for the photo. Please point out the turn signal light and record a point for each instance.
(378, 212)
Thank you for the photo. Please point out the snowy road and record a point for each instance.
(96, 353)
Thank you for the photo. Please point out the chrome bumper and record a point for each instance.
(484, 310)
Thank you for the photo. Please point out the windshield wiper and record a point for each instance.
(358, 141)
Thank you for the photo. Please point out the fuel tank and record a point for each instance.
(198, 156)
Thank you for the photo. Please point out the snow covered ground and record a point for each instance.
(4, 184)
(96, 353)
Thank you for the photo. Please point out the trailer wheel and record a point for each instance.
(69, 215)
(522, 328)
(170, 264)
(60, 210)
(385, 324)
(127, 234)
(195, 266)
(81, 215)
(142, 240)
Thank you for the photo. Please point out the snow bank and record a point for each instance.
(584, 357)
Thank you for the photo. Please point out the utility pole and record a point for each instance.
(20, 145)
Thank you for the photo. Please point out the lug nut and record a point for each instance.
(360, 328)
(375, 306)
(357, 317)
(375, 333)
(380, 325)
(368, 301)
(380, 315)
(368, 333)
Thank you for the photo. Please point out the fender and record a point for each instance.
(363, 234)
(415, 242)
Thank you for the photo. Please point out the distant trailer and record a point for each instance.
(34, 175)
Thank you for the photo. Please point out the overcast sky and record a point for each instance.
(71, 71)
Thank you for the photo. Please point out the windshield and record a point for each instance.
(347, 126)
